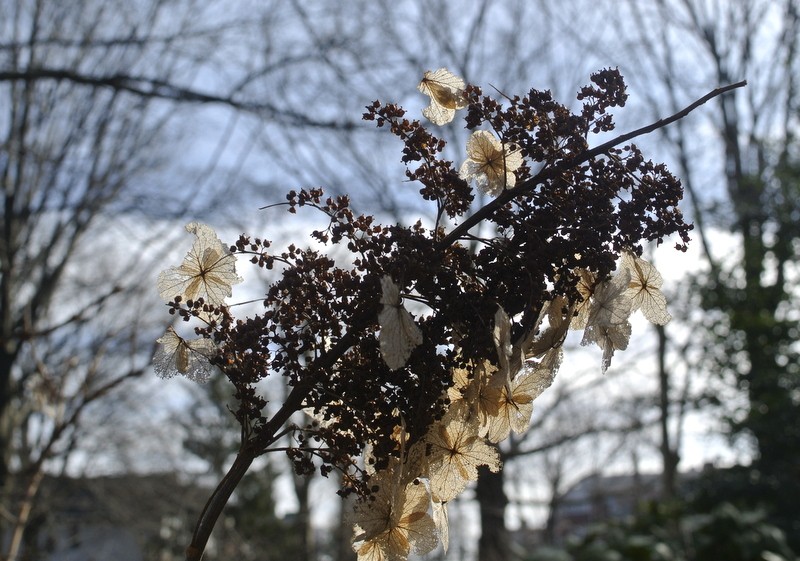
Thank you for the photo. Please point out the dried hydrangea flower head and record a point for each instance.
(406, 406)
(490, 163)
(447, 94)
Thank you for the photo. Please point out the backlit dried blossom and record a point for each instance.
(473, 393)
(456, 453)
(515, 406)
(610, 338)
(489, 163)
(207, 272)
(610, 303)
(176, 355)
(446, 91)
(399, 334)
(644, 289)
(394, 522)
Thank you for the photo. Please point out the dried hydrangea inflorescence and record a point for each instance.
(467, 377)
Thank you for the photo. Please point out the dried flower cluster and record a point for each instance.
(407, 406)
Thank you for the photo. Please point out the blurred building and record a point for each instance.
(125, 518)
(599, 498)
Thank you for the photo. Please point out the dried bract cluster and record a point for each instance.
(408, 401)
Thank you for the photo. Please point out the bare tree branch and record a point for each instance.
(161, 89)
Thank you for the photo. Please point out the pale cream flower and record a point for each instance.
(176, 355)
(208, 271)
(610, 302)
(395, 521)
(456, 452)
(610, 338)
(644, 289)
(447, 95)
(489, 163)
(399, 334)
(515, 406)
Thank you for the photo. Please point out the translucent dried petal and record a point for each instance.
(474, 395)
(399, 334)
(395, 522)
(176, 355)
(457, 451)
(610, 303)
(446, 91)
(644, 289)
(559, 314)
(501, 335)
(440, 519)
(489, 163)
(515, 407)
(208, 271)
(585, 286)
(609, 338)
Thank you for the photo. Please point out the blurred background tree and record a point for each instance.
(750, 296)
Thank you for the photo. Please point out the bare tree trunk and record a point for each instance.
(494, 541)
(343, 534)
(303, 527)
(6, 362)
(550, 537)
(669, 456)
